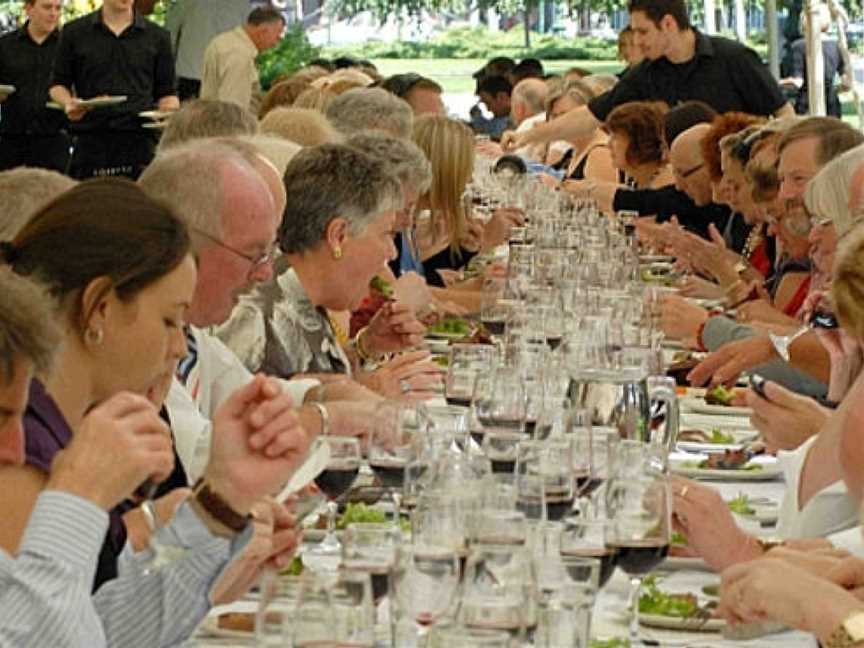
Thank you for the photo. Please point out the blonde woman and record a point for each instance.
(303, 126)
(446, 239)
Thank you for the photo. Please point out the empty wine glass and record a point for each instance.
(372, 548)
(550, 461)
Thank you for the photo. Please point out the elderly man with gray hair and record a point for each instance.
(365, 109)
(336, 234)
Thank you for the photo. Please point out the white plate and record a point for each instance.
(156, 115)
(699, 406)
(740, 437)
(763, 513)
(769, 470)
(95, 102)
(680, 563)
(155, 125)
(6, 90)
(678, 623)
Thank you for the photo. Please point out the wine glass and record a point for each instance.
(334, 481)
(639, 523)
(372, 548)
(353, 609)
(498, 590)
(500, 401)
(158, 553)
(466, 361)
(393, 443)
(587, 539)
(445, 425)
(506, 527)
(551, 462)
(424, 586)
(276, 607)
(447, 636)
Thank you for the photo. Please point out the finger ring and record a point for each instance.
(404, 385)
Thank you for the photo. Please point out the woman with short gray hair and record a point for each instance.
(336, 235)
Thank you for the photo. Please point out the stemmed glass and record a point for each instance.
(424, 586)
(466, 361)
(334, 481)
(551, 462)
(394, 444)
(500, 401)
(638, 506)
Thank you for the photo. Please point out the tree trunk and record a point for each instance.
(740, 21)
(710, 17)
(526, 22)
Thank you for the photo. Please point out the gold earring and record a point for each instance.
(93, 336)
(337, 253)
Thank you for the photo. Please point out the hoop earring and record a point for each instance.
(93, 336)
(337, 253)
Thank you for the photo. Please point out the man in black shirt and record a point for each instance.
(681, 64)
(113, 51)
(31, 134)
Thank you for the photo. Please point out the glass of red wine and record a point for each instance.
(551, 462)
(639, 524)
(334, 481)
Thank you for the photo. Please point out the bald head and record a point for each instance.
(528, 99)
(691, 174)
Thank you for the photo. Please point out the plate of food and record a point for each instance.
(717, 438)
(656, 258)
(676, 611)
(229, 625)
(729, 465)
(762, 509)
(451, 328)
(717, 401)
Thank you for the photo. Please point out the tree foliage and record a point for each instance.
(293, 52)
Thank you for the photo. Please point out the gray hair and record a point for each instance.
(363, 109)
(827, 194)
(202, 118)
(189, 179)
(330, 181)
(402, 158)
(23, 191)
(28, 328)
(600, 83)
(532, 92)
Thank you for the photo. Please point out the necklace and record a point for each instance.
(754, 238)
(338, 331)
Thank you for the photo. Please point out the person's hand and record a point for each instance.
(137, 527)
(119, 444)
(680, 319)
(773, 590)
(274, 540)
(701, 514)
(723, 366)
(257, 445)
(497, 230)
(699, 288)
(761, 310)
(511, 140)
(393, 328)
(353, 419)
(75, 112)
(846, 358)
(411, 376)
(848, 573)
(785, 419)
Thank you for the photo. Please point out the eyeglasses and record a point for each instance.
(263, 259)
(686, 174)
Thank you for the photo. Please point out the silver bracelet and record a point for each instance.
(325, 418)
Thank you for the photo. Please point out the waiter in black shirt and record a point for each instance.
(680, 64)
(30, 133)
(113, 51)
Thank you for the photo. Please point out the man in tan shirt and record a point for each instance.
(229, 72)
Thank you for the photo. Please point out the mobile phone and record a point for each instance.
(757, 382)
(823, 320)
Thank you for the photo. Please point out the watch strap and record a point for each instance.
(218, 508)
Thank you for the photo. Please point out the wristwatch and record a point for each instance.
(221, 511)
(783, 342)
(849, 633)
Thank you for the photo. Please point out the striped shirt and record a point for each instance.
(45, 592)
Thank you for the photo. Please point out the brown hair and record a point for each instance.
(316, 99)
(642, 123)
(284, 93)
(101, 228)
(27, 327)
(835, 137)
(723, 125)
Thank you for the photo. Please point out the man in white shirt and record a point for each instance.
(193, 24)
(229, 72)
(45, 595)
(527, 109)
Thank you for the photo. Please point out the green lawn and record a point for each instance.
(454, 75)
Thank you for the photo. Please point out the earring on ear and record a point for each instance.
(93, 336)
(337, 252)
